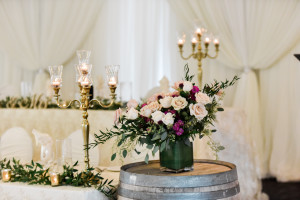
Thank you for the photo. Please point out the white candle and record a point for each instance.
(198, 31)
(56, 82)
(112, 81)
(207, 40)
(194, 40)
(85, 83)
(216, 41)
(180, 42)
(84, 68)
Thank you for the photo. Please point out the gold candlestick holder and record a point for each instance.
(198, 53)
(84, 83)
(84, 104)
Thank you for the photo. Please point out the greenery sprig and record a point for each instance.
(35, 173)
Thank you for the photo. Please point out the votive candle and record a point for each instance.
(6, 175)
(54, 177)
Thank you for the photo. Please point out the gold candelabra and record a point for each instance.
(84, 84)
(198, 54)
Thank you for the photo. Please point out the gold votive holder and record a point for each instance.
(55, 179)
(6, 175)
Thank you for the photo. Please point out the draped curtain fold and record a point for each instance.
(39, 33)
(254, 35)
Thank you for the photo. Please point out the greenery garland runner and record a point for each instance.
(167, 118)
(37, 101)
(34, 173)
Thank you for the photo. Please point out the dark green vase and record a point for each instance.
(177, 158)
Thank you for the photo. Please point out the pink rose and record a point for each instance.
(198, 110)
(155, 97)
(118, 114)
(154, 106)
(176, 84)
(132, 104)
(202, 98)
(179, 103)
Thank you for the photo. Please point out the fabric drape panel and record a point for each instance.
(39, 33)
(134, 34)
(254, 35)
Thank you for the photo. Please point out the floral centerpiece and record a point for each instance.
(168, 122)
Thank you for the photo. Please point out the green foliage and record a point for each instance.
(186, 71)
(35, 173)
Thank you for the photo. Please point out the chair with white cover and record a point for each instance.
(16, 143)
(78, 149)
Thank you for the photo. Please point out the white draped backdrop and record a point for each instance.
(258, 40)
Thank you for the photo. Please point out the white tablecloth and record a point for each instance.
(23, 191)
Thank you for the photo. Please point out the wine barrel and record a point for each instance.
(210, 179)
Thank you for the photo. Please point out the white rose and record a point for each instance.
(132, 114)
(187, 86)
(168, 119)
(198, 110)
(157, 116)
(166, 102)
(202, 98)
(179, 103)
(146, 111)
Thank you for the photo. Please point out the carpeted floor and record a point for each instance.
(281, 191)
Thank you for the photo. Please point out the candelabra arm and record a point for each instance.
(213, 57)
(101, 104)
(185, 58)
(63, 105)
(217, 52)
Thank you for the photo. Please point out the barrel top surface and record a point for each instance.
(201, 167)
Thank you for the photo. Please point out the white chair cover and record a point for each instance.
(16, 143)
(78, 149)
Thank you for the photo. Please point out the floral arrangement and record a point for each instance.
(182, 114)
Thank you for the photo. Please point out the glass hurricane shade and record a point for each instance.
(83, 56)
(56, 75)
(112, 74)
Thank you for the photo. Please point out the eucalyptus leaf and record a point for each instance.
(124, 153)
(156, 148)
(162, 146)
(149, 146)
(164, 136)
(220, 109)
(113, 156)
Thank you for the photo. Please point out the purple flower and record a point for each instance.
(179, 132)
(144, 105)
(181, 85)
(180, 123)
(159, 97)
(176, 127)
(195, 89)
(170, 111)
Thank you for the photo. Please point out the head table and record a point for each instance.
(59, 124)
